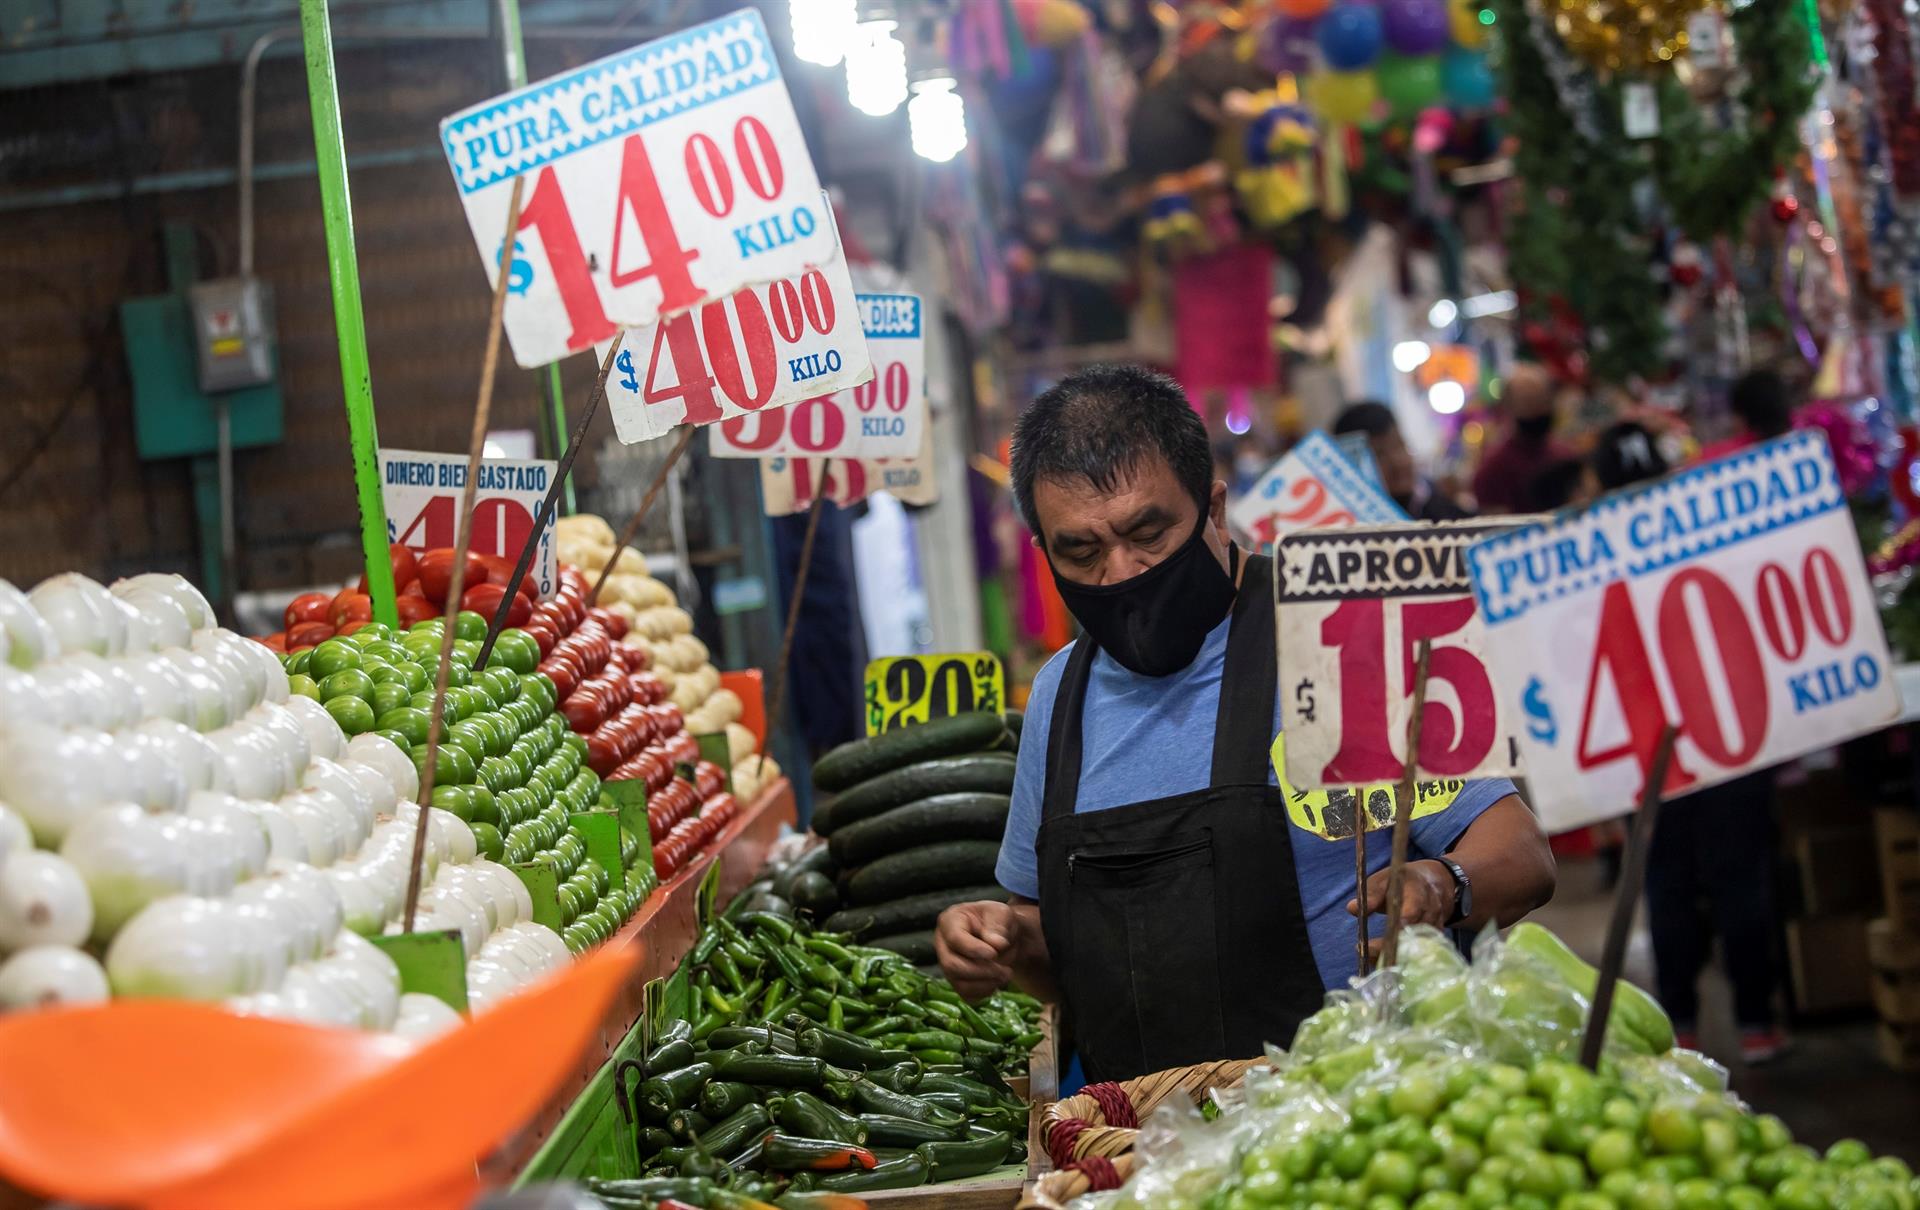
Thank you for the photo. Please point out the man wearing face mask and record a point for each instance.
(1160, 890)
(1503, 482)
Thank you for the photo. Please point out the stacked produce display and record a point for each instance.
(1443, 1086)
(913, 827)
(811, 1062)
(177, 822)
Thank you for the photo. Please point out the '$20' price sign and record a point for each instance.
(1730, 601)
(656, 179)
(881, 418)
(1313, 484)
(1354, 605)
(739, 357)
(907, 689)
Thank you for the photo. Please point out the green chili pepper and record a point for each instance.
(883, 1025)
(720, 1003)
(723, 962)
(775, 992)
(768, 922)
(839, 954)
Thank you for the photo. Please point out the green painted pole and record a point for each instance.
(343, 270)
(558, 403)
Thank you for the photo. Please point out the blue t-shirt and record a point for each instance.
(1169, 721)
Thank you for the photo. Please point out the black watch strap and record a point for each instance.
(1462, 891)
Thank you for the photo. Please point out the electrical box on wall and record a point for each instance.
(232, 332)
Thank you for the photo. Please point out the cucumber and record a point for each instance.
(930, 867)
(916, 948)
(1010, 742)
(984, 772)
(814, 894)
(908, 914)
(963, 816)
(860, 759)
(816, 858)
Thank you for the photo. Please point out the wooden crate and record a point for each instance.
(1894, 954)
(1900, 1046)
(1897, 837)
(1827, 960)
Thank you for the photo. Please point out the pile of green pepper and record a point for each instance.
(812, 1064)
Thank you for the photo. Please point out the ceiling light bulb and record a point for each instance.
(1410, 355)
(1447, 397)
(822, 29)
(876, 69)
(937, 120)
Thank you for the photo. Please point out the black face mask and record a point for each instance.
(1533, 428)
(1155, 622)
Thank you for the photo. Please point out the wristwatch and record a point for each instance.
(1462, 891)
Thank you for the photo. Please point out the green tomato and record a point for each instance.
(1510, 1135)
(1652, 1193)
(468, 738)
(1486, 1192)
(1623, 1113)
(1612, 1150)
(1718, 1140)
(453, 767)
(410, 722)
(1674, 1128)
(1383, 1201)
(1772, 1133)
(487, 841)
(1698, 1193)
(334, 655)
(1439, 1200)
(348, 682)
(518, 651)
(304, 685)
(393, 737)
(1534, 1172)
(352, 713)
(459, 675)
(299, 660)
(1300, 1161)
(373, 632)
(383, 651)
(1746, 1197)
(485, 808)
(541, 686)
(388, 697)
(1470, 1116)
(1849, 1153)
(1585, 1200)
(469, 626)
(1418, 1094)
(1619, 1186)
(454, 799)
(1507, 1080)
(1527, 1201)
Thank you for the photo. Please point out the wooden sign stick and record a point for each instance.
(1626, 897)
(1403, 813)
(463, 536)
(1360, 880)
(777, 709)
(646, 506)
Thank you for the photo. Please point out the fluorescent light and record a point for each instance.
(1482, 305)
(1410, 355)
(876, 69)
(937, 120)
(822, 29)
(1447, 396)
(1443, 313)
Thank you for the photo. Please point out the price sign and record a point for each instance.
(1353, 606)
(1330, 813)
(656, 179)
(1729, 600)
(881, 418)
(907, 689)
(788, 485)
(1312, 485)
(763, 348)
(422, 495)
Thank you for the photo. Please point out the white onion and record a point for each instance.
(29, 639)
(140, 632)
(265, 943)
(460, 844)
(288, 739)
(422, 1017)
(160, 687)
(212, 708)
(183, 948)
(312, 996)
(322, 821)
(302, 898)
(166, 622)
(14, 836)
(488, 983)
(237, 669)
(44, 975)
(50, 776)
(81, 612)
(128, 859)
(547, 941)
(186, 596)
(375, 977)
(268, 670)
(285, 840)
(512, 899)
(449, 911)
(158, 783)
(76, 695)
(363, 898)
(43, 901)
(374, 785)
(508, 952)
(248, 832)
(184, 749)
(456, 880)
(254, 768)
(324, 737)
(23, 700)
(215, 855)
(383, 754)
(335, 779)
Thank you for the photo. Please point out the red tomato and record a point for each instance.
(307, 607)
(682, 749)
(350, 606)
(405, 570)
(500, 571)
(602, 756)
(585, 708)
(668, 720)
(415, 608)
(413, 590)
(564, 674)
(610, 621)
(436, 573)
(552, 615)
(543, 635)
(484, 599)
(277, 641)
(308, 634)
(572, 577)
(354, 625)
(708, 779)
(647, 689)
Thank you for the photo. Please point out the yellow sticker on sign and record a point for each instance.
(905, 689)
(1329, 813)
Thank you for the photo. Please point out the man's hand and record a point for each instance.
(977, 944)
(1426, 897)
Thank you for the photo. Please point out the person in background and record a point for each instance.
(1710, 866)
(1560, 484)
(1506, 474)
(1762, 402)
(1412, 491)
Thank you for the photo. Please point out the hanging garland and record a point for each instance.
(1582, 240)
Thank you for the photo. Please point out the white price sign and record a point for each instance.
(656, 179)
(1729, 600)
(1312, 485)
(1354, 605)
(764, 348)
(422, 497)
(881, 418)
(789, 485)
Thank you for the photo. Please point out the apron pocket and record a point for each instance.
(1145, 934)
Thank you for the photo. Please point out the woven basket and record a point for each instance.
(1079, 1128)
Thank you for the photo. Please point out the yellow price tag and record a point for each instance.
(905, 689)
(1329, 813)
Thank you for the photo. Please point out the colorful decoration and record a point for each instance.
(1350, 36)
(1464, 23)
(1408, 83)
(1854, 456)
(1625, 35)
(1467, 79)
(1277, 182)
(1051, 23)
(1190, 212)
(1343, 96)
(1415, 27)
(1301, 10)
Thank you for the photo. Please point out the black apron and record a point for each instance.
(1174, 925)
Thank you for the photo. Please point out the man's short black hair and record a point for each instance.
(1368, 416)
(1763, 402)
(1098, 423)
(1627, 453)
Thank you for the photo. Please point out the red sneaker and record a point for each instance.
(1763, 1045)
